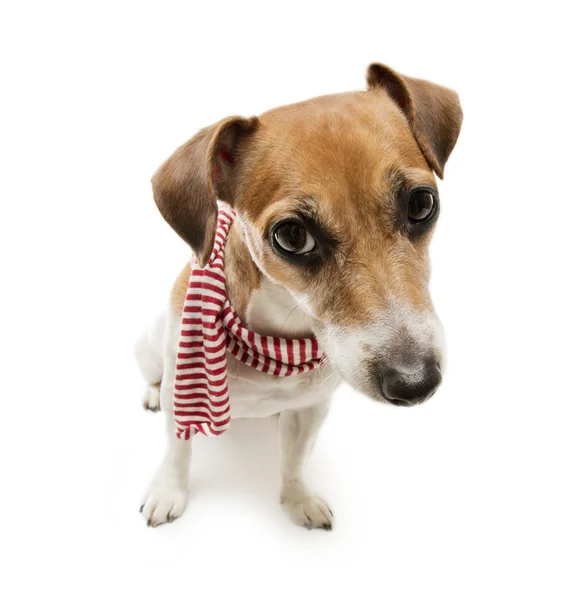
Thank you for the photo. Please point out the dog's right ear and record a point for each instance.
(187, 185)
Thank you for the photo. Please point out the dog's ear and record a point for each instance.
(434, 113)
(187, 185)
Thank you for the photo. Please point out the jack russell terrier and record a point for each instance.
(309, 227)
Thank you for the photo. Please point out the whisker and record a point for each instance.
(290, 314)
(329, 376)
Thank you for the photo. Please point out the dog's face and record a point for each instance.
(338, 202)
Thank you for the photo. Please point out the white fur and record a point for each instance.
(302, 402)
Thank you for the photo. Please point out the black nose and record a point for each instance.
(406, 388)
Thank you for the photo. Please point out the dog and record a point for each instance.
(336, 201)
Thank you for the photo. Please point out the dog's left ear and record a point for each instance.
(434, 113)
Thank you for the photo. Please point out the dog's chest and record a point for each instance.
(273, 311)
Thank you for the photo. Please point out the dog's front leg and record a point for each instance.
(166, 495)
(298, 430)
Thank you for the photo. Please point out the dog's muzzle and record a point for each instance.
(407, 388)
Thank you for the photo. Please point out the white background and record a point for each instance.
(469, 496)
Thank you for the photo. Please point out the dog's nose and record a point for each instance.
(407, 388)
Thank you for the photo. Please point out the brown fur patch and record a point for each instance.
(346, 152)
(243, 276)
(353, 157)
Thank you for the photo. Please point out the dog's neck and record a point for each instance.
(266, 307)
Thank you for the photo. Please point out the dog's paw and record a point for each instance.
(151, 398)
(307, 510)
(163, 503)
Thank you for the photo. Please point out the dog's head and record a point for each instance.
(338, 202)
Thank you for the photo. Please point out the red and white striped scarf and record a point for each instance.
(210, 328)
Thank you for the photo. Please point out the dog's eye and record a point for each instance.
(293, 238)
(421, 206)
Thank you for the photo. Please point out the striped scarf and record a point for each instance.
(210, 328)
